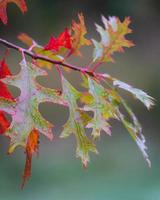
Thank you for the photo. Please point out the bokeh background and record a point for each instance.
(119, 172)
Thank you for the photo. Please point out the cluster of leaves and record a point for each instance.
(100, 95)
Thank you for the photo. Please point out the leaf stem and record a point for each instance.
(96, 66)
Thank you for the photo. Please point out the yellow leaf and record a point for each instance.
(86, 98)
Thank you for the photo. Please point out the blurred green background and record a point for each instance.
(119, 172)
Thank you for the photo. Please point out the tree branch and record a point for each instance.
(40, 57)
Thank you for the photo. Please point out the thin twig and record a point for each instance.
(40, 57)
(96, 66)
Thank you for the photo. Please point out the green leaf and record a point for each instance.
(103, 110)
(76, 122)
(25, 114)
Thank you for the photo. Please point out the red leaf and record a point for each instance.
(4, 123)
(31, 147)
(3, 8)
(4, 92)
(64, 40)
(4, 70)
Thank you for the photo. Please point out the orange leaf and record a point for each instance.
(3, 8)
(31, 147)
(79, 32)
(26, 39)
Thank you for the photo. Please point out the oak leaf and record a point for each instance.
(132, 124)
(112, 38)
(26, 107)
(97, 102)
(78, 37)
(64, 40)
(76, 123)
